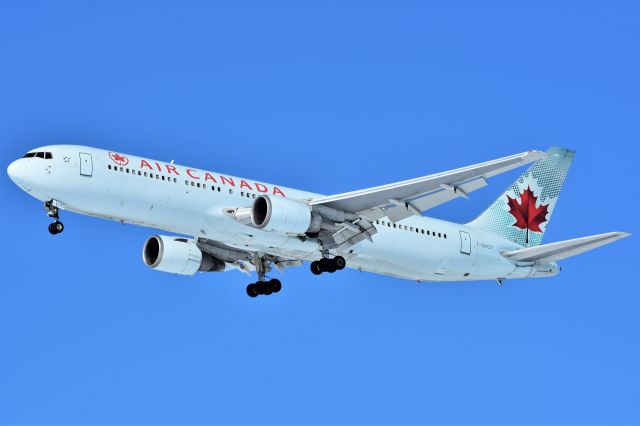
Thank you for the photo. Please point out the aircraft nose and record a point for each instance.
(16, 171)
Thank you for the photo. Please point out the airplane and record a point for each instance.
(220, 222)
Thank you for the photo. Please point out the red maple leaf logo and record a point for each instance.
(120, 160)
(527, 215)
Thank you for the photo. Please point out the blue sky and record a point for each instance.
(329, 97)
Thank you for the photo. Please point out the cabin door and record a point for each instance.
(465, 242)
(86, 164)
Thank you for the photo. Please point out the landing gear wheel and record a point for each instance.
(276, 285)
(252, 290)
(328, 265)
(339, 262)
(265, 288)
(56, 228)
(315, 268)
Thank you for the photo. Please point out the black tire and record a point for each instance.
(315, 268)
(52, 230)
(58, 226)
(252, 290)
(340, 262)
(276, 285)
(265, 288)
(325, 264)
(328, 265)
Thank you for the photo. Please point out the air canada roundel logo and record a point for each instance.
(119, 159)
(527, 214)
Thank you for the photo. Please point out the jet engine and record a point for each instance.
(279, 214)
(178, 256)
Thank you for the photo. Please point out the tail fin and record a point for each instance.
(522, 212)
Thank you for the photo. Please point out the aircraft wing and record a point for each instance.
(243, 261)
(400, 200)
(563, 249)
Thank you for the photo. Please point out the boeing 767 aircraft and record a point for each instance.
(251, 226)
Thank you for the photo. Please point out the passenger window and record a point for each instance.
(394, 225)
(198, 184)
(193, 184)
(230, 191)
(445, 236)
(162, 177)
(422, 230)
(242, 193)
(439, 235)
(139, 173)
(109, 166)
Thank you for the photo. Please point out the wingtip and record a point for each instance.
(535, 155)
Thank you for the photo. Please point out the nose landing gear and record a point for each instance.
(56, 227)
(54, 212)
(328, 265)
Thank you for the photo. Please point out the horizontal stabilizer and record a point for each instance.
(563, 249)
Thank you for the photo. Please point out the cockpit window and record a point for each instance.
(45, 155)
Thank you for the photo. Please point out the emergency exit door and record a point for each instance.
(465, 242)
(86, 164)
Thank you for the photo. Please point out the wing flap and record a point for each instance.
(563, 249)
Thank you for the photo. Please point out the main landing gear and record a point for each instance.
(263, 286)
(328, 265)
(53, 212)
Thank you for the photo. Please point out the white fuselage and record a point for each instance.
(191, 201)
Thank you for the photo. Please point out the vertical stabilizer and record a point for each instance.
(522, 213)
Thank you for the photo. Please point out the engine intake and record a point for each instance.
(178, 256)
(279, 214)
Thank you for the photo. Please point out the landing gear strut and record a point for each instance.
(328, 265)
(53, 212)
(263, 286)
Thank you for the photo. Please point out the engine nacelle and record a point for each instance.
(279, 214)
(178, 256)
